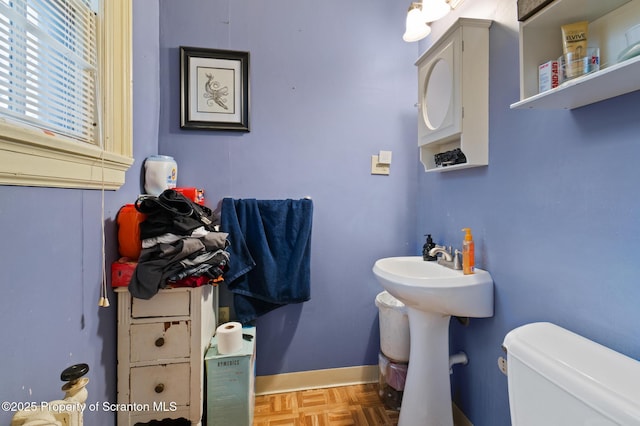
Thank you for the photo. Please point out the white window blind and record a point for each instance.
(48, 66)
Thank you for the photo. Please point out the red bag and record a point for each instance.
(121, 272)
(129, 219)
(194, 194)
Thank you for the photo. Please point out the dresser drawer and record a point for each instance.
(161, 383)
(166, 303)
(160, 340)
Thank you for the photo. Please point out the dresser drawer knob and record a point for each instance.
(159, 388)
(160, 341)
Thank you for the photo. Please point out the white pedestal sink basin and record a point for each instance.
(432, 294)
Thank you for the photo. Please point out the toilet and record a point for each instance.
(558, 378)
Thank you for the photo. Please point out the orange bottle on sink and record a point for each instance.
(468, 253)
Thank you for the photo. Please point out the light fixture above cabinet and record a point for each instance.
(422, 13)
(416, 27)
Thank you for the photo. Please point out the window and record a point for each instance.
(49, 65)
(65, 112)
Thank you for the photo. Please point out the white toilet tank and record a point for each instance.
(558, 378)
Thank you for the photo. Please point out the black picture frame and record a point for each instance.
(214, 89)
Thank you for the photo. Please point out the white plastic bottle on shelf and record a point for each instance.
(161, 172)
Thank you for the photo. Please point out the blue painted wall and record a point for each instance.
(554, 215)
(50, 264)
(327, 93)
(331, 84)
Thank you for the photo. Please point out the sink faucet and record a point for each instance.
(443, 250)
(447, 259)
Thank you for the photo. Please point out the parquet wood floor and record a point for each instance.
(357, 405)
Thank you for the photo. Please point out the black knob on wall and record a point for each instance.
(74, 372)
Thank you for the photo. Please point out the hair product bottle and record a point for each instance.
(468, 253)
(574, 47)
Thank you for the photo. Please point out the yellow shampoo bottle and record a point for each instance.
(468, 253)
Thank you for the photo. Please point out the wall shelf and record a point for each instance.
(613, 81)
(541, 41)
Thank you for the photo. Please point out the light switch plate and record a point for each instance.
(384, 157)
(378, 168)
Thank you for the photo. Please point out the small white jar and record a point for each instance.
(161, 172)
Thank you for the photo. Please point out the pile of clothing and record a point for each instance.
(181, 245)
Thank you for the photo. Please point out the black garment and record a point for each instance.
(171, 212)
(159, 262)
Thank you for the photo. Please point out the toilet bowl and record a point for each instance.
(558, 378)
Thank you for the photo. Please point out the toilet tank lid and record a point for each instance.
(582, 367)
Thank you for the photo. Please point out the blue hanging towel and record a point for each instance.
(270, 251)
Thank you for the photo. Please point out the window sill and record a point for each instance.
(53, 161)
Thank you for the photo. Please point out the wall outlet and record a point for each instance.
(223, 313)
(378, 168)
(502, 366)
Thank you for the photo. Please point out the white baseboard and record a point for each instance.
(332, 377)
(316, 379)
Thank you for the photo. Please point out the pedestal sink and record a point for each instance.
(432, 294)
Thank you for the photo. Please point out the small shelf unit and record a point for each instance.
(541, 41)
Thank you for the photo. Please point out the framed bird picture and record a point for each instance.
(214, 89)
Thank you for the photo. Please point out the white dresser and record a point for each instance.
(161, 347)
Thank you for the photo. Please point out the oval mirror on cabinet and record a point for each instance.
(438, 91)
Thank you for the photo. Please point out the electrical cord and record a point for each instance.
(104, 299)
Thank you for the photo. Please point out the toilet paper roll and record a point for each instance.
(229, 337)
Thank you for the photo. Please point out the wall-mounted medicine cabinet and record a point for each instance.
(541, 40)
(453, 97)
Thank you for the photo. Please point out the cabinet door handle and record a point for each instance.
(159, 388)
(160, 341)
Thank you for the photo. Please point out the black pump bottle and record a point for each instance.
(427, 247)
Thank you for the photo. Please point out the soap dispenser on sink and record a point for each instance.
(426, 248)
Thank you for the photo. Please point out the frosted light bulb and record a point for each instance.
(432, 10)
(416, 27)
